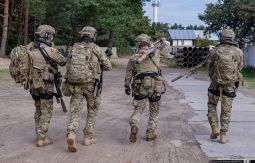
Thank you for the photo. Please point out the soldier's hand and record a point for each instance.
(151, 54)
(127, 90)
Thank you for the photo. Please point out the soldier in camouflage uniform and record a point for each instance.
(88, 89)
(224, 63)
(42, 80)
(144, 75)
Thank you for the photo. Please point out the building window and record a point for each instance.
(182, 42)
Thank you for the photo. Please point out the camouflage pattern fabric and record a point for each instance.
(165, 49)
(140, 88)
(139, 106)
(226, 105)
(76, 105)
(41, 90)
(226, 92)
(87, 90)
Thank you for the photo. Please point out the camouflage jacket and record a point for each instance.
(136, 65)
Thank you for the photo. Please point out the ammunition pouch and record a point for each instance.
(48, 76)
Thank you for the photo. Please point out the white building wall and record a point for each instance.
(182, 42)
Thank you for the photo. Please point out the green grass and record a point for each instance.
(4, 74)
(249, 77)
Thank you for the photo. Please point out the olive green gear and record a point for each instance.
(228, 34)
(88, 31)
(143, 38)
(43, 29)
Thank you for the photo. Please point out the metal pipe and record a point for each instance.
(190, 49)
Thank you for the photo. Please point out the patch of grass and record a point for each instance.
(4, 74)
(249, 77)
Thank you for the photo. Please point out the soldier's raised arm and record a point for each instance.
(129, 72)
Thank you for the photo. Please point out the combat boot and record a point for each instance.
(71, 142)
(223, 137)
(133, 134)
(44, 142)
(215, 132)
(89, 141)
(150, 135)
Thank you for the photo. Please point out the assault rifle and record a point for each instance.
(57, 77)
(190, 72)
(58, 95)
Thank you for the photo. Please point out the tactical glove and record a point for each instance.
(127, 90)
(237, 84)
(151, 54)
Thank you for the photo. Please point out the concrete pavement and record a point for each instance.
(242, 127)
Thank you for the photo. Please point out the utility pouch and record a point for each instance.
(147, 82)
(159, 86)
(46, 73)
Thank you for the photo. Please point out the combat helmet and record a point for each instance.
(88, 31)
(227, 34)
(143, 38)
(44, 30)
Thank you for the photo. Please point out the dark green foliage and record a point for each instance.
(236, 14)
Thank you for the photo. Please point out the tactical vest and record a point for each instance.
(147, 65)
(38, 60)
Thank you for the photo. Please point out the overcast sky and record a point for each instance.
(183, 12)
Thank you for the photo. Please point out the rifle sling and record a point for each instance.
(46, 56)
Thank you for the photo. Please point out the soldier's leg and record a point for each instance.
(37, 114)
(93, 103)
(213, 99)
(44, 121)
(225, 116)
(76, 105)
(153, 121)
(139, 106)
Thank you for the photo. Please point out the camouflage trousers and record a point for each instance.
(226, 94)
(139, 106)
(44, 107)
(43, 114)
(76, 106)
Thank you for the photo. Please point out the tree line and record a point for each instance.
(117, 22)
(236, 14)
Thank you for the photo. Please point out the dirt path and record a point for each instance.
(175, 144)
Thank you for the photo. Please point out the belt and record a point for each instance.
(143, 75)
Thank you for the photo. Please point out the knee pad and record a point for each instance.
(229, 94)
(36, 98)
(138, 97)
(154, 99)
(46, 96)
(214, 92)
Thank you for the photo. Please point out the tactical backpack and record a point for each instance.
(81, 64)
(20, 65)
(225, 66)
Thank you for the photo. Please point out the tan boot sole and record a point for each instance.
(71, 145)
